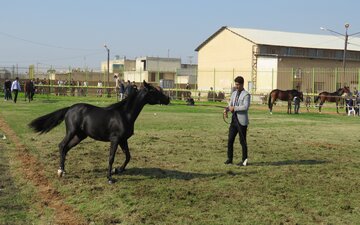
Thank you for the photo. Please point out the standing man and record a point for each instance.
(15, 87)
(7, 87)
(296, 104)
(239, 105)
(122, 90)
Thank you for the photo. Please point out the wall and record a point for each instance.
(223, 58)
(158, 64)
(266, 74)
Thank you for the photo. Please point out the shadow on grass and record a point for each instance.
(158, 173)
(49, 101)
(290, 162)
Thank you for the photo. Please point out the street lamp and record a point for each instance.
(346, 35)
(108, 73)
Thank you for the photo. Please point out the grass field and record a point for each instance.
(303, 169)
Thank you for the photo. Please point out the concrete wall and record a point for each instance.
(266, 74)
(158, 64)
(223, 58)
(127, 64)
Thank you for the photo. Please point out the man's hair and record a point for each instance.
(239, 79)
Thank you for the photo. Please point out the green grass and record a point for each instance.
(304, 169)
(15, 193)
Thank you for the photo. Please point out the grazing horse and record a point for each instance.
(114, 124)
(331, 97)
(287, 95)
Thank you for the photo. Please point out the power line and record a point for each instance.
(44, 44)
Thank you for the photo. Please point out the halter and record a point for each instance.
(224, 118)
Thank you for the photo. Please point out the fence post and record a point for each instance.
(292, 78)
(358, 79)
(313, 80)
(336, 76)
(214, 87)
(231, 85)
(272, 78)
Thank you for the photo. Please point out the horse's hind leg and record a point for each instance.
(67, 143)
(113, 147)
(289, 107)
(125, 148)
(320, 105)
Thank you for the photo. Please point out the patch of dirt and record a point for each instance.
(33, 171)
(323, 145)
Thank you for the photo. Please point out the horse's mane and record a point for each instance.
(117, 105)
(123, 102)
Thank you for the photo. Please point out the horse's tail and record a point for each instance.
(47, 122)
(269, 100)
(316, 98)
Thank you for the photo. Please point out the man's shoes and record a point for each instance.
(243, 163)
(228, 162)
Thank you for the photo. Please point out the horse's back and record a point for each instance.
(96, 122)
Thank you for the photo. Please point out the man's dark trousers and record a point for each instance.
(234, 129)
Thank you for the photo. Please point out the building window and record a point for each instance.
(338, 85)
(298, 73)
(299, 52)
(319, 86)
(312, 52)
(152, 77)
(161, 76)
(143, 62)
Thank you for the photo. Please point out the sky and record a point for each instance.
(72, 33)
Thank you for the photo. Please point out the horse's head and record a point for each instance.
(344, 90)
(155, 95)
(301, 96)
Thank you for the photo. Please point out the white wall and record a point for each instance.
(266, 74)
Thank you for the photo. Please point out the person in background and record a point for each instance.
(296, 104)
(15, 87)
(7, 90)
(99, 90)
(128, 88)
(122, 90)
(134, 85)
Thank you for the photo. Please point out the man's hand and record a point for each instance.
(225, 113)
(231, 108)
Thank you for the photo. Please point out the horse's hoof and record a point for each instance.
(111, 181)
(119, 170)
(60, 173)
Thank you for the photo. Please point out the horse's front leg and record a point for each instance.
(337, 109)
(113, 148)
(125, 148)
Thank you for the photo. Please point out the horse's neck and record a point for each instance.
(134, 107)
(340, 92)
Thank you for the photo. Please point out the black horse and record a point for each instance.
(114, 124)
(287, 95)
(331, 97)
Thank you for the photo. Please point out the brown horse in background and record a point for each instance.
(287, 95)
(332, 97)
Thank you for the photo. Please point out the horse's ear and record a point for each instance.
(146, 85)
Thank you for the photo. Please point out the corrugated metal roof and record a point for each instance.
(289, 39)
